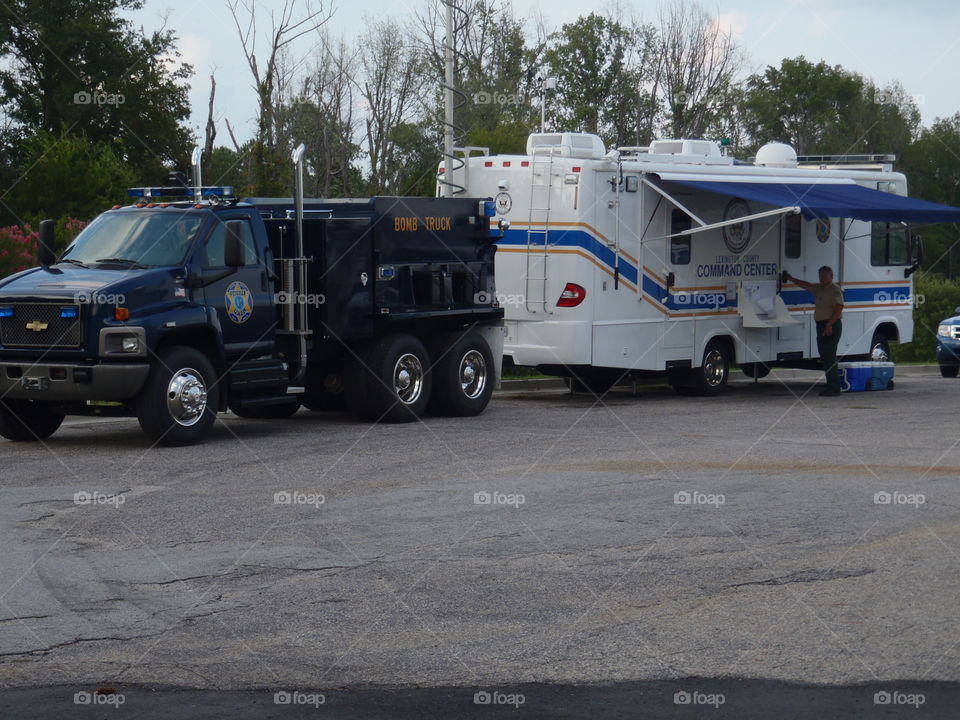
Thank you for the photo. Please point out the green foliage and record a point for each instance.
(937, 298)
(80, 68)
(69, 176)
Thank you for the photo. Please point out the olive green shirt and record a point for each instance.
(826, 298)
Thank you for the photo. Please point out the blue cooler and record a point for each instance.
(855, 376)
(882, 376)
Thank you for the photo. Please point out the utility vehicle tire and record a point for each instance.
(712, 375)
(389, 380)
(177, 405)
(949, 371)
(463, 375)
(26, 420)
(879, 347)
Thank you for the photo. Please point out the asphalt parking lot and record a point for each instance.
(769, 553)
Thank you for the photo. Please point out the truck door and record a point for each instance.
(243, 299)
(793, 341)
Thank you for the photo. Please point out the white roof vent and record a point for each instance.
(693, 148)
(776, 155)
(566, 144)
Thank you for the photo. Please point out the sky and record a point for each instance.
(917, 43)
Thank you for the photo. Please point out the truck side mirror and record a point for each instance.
(46, 244)
(234, 252)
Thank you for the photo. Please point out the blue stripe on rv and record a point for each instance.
(585, 241)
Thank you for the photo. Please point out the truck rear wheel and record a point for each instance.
(463, 376)
(389, 381)
(25, 420)
(949, 371)
(177, 406)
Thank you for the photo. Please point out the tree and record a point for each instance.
(268, 158)
(698, 66)
(599, 72)
(67, 176)
(79, 67)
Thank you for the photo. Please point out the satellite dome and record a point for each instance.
(776, 155)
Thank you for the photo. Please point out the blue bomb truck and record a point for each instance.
(173, 311)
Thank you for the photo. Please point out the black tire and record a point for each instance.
(879, 347)
(267, 412)
(755, 370)
(594, 381)
(463, 376)
(28, 421)
(177, 406)
(714, 371)
(949, 371)
(389, 381)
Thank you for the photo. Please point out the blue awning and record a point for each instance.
(822, 200)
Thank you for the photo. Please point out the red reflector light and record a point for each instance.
(489, 163)
(576, 169)
(525, 163)
(506, 163)
(571, 296)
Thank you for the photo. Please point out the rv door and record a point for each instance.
(793, 341)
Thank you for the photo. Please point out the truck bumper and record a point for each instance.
(59, 382)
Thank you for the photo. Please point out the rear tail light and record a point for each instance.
(571, 296)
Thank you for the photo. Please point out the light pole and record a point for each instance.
(546, 83)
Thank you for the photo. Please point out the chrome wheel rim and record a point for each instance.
(473, 374)
(408, 378)
(714, 368)
(186, 397)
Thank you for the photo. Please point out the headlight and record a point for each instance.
(945, 331)
(130, 344)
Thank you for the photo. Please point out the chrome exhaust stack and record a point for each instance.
(196, 159)
(296, 315)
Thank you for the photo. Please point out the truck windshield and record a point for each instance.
(135, 239)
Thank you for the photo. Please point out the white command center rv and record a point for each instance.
(670, 258)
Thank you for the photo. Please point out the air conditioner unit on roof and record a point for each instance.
(566, 144)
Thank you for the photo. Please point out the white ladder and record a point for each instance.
(538, 230)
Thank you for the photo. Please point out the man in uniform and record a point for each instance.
(828, 307)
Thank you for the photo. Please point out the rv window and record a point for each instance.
(680, 246)
(889, 245)
(793, 232)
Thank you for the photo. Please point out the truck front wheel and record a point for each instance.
(177, 406)
(24, 420)
(463, 376)
(389, 381)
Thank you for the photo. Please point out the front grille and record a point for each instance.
(36, 325)
(955, 332)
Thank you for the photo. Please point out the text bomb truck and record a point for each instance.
(172, 311)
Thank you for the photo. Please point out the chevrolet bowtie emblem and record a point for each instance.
(37, 326)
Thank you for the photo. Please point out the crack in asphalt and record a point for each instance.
(805, 576)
